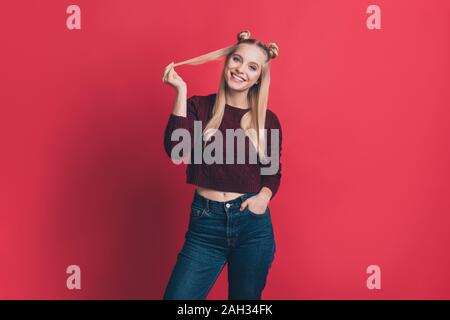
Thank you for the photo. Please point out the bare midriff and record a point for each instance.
(217, 195)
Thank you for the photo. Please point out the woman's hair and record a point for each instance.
(253, 121)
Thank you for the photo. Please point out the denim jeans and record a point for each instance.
(218, 233)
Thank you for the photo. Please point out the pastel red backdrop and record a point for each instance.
(365, 115)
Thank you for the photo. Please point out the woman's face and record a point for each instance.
(243, 68)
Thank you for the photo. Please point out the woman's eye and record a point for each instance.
(235, 58)
(253, 68)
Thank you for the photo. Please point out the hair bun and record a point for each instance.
(273, 50)
(243, 35)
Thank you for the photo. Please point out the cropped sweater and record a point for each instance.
(226, 177)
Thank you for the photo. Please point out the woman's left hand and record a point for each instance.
(257, 204)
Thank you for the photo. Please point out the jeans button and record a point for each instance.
(227, 205)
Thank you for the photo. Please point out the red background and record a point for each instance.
(85, 180)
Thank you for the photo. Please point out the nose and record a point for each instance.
(238, 70)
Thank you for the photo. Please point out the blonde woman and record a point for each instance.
(230, 221)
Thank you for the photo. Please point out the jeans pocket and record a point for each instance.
(197, 211)
(259, 215)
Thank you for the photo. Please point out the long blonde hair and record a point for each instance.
(253, 121)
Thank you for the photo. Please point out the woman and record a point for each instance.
(230, 218)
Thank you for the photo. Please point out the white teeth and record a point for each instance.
(237, 77)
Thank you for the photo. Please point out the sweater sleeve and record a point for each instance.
(179, 122)
(272, 181)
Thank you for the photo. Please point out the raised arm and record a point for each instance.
(184, 111)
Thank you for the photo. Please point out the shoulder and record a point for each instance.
(202, 99)
(200, 102)
(272, 119)
(201, 106)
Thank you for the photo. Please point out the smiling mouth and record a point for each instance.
(237, 78)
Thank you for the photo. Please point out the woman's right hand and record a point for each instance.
(172, 78)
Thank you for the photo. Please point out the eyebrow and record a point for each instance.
(237, 54)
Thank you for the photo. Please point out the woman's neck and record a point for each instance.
(237, 99)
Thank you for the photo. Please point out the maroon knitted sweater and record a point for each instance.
(235, 177)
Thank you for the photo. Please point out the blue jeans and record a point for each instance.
(218, 233)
